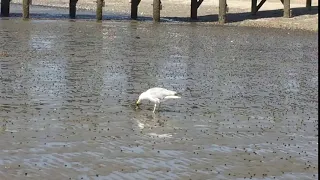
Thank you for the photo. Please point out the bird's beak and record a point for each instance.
(138, 102)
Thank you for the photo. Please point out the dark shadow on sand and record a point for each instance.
(237, 17)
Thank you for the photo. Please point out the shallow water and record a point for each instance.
(249, 106)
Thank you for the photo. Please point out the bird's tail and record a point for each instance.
(172, 97)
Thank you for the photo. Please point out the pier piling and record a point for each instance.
(222, 11)
(195, 4)
(254, 7)
(72, 8)
(134, 8)
(194, 9)
(156, 11)
(5, 8)
(286, 9)
(99, 9)
(308, 4)
(26, 9)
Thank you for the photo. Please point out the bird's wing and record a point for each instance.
(160, 93)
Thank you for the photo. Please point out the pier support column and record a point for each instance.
(156, 11)
(72, 8)
(254, 7)
(308, 4)
(195, 4)
(194, 9)
(26, 8)
(286, 9)
(100, 3)
(134, 8)
(5, 8)
(222, 11)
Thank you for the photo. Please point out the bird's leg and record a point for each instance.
(154, 109)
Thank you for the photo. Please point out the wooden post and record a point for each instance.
(260, 5)
(194, 9)
(25, 13)
(5, 8)
(156, 10)
(134, 9)
(308, 4)
(286, 9)
(222, 11)
(253, 7)
(99, 10)
(72, 8)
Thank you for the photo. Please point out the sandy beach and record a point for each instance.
(270, 14)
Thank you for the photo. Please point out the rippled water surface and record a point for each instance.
(249, 106)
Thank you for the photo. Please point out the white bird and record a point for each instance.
(157, 95)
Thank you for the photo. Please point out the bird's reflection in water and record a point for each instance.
(150, 124)
(143, 120)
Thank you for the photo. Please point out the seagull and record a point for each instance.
(157, 95)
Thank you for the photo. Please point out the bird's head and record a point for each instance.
(141, 97)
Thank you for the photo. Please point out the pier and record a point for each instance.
(195, 4)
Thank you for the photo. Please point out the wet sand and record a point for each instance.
(67, 94)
